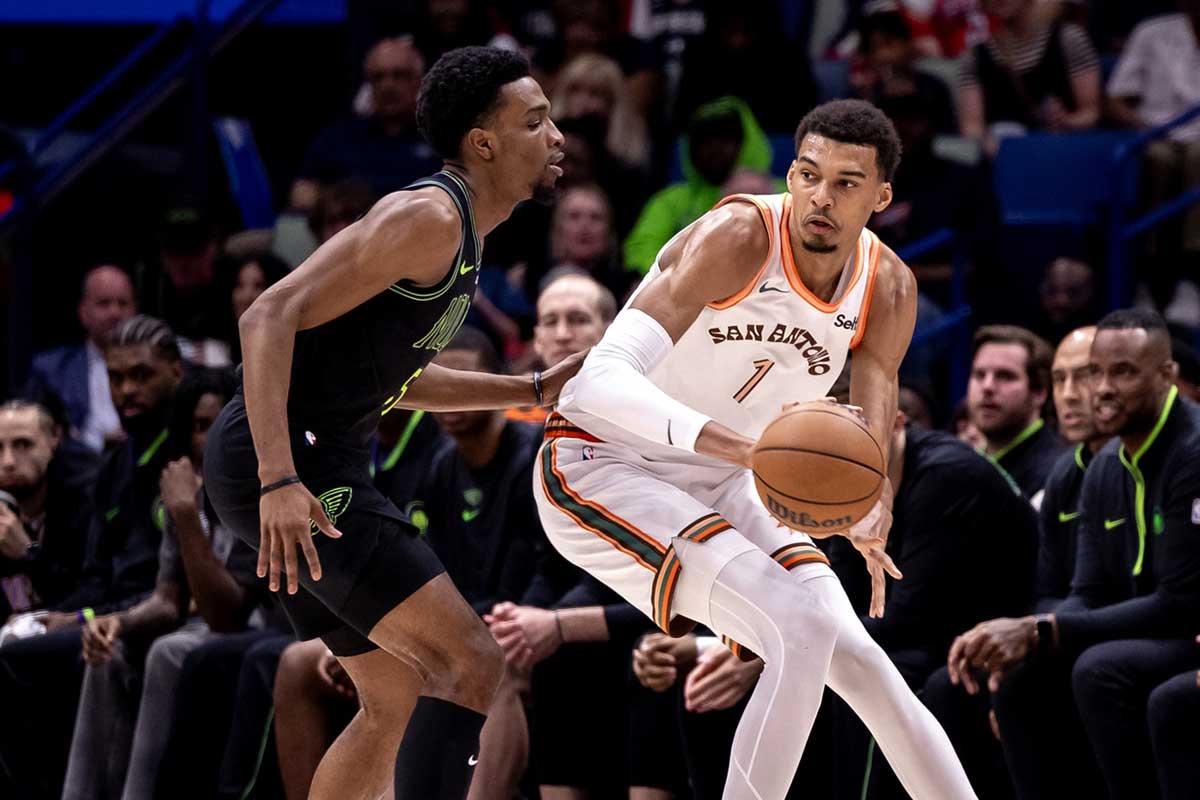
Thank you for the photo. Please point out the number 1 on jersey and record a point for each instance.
(761, 368)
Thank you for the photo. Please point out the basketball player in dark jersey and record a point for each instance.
(330, 349)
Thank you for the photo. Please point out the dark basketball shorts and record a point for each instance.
(379, 561)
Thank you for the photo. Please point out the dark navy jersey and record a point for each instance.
(351, 370)
(346, 374)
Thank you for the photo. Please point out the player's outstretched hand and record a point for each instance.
(869, 537)
(285, 516)
(557, 376)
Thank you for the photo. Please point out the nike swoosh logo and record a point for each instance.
(767, 288)
(463, 269)
(472, 761)
(1063, 516)
(467, 516)
(1109, 524)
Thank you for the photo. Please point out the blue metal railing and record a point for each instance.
(1122, 231)
(118, 124)
(189, 66)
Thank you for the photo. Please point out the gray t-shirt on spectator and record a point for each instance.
(238, 557)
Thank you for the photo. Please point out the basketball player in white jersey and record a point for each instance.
(643, 479)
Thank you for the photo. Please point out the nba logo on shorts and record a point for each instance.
(589, 453)
(308, 437)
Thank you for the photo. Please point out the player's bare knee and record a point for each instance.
(468, 669)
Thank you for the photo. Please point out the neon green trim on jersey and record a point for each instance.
(145, 457)
(1139, 481)
(1036, 426)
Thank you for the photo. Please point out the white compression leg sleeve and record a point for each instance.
(905, 730)
(755, 602)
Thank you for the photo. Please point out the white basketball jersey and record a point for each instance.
(771, 343)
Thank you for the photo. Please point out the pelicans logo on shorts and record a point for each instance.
(335, 502)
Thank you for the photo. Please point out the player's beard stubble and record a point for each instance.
(817, 246)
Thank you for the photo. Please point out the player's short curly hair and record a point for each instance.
(461, 90)
(855, 122)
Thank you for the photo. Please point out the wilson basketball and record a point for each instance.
(817, 468)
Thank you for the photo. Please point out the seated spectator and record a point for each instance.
(75, 373)
(125, 704)
(581, 235)
(40, 676)
(886, 69)
(573, 311)
(242, 281)
(44, 517)
(965, 715)
(1156, 79)
(1067, 298)
(1036, 73)
(722, 136)
(383, 148)
(338, 205)
(742, 43)
(592, 86)
(1129, 621)
(1006, 395)
(180, 288)
(594, 26)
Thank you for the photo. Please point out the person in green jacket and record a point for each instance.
(722, 136)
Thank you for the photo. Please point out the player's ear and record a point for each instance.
(884, 199)
(481, 143)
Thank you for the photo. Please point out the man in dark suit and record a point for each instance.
(75, 374)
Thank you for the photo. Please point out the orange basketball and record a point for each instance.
(817, 468)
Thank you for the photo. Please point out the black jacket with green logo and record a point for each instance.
(1058, 528)
(1137, 570)
(1031, 456)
